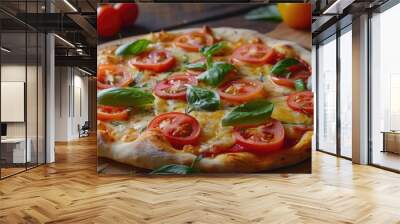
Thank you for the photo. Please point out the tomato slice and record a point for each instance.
(302, 102)
(265, 138)
(155, 60)
(241, 90)
(174, 87)
(254, 54)
(180, 129)
(195, 40)
(294, 132)
(109, 75)
(303, 128)
(283, 81)
(216, 150)
(298, 72)
(109, 113)
(304, 75)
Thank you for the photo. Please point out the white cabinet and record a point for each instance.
(16, 150)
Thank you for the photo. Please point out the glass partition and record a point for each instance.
(346, 92)
(14, 151)
(327, 96)
(31, 99)
(22, 88)
(41, 96)
(385, 89)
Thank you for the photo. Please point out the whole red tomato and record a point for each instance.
(108, 21)
(128, 13)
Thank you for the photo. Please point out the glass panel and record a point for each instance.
(41, 99)
(327, 96)
(13, 85)
(31, 98)
(32, 88)
(385, 84)
(346, 94)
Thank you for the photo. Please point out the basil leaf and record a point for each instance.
(209, 62)
(213, 49)
(195, 161)
(202, 99)
(269, 12)
(280, 68)
(299, 85)
(209, 51)
(178, 169)
(216, 74)
(251, 113)
(198, 65)
(128, 97)
(173, 169)
(133, 48)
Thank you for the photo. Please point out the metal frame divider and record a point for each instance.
(0, 91)
(338, 73)
(369, 70)
(26, 88)
(316, 97)
(37, 91)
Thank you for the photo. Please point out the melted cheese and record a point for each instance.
(273, 89)
(140, 121)
(164, 106)
(183, 56)
(284, 113)
(213, 133)
(286, 50)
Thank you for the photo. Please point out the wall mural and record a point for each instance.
(204, 88)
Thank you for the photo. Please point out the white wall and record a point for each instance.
(61, 103)
(50, 93)
(360, 90)
(33, 127)
(71, 102)
(13, 73)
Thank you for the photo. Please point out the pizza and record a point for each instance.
(204, 100)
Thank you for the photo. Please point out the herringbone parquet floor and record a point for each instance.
(70, 191)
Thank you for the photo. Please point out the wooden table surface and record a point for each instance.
(154, 17)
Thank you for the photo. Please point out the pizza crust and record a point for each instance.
(151, 151)
(230, 34)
